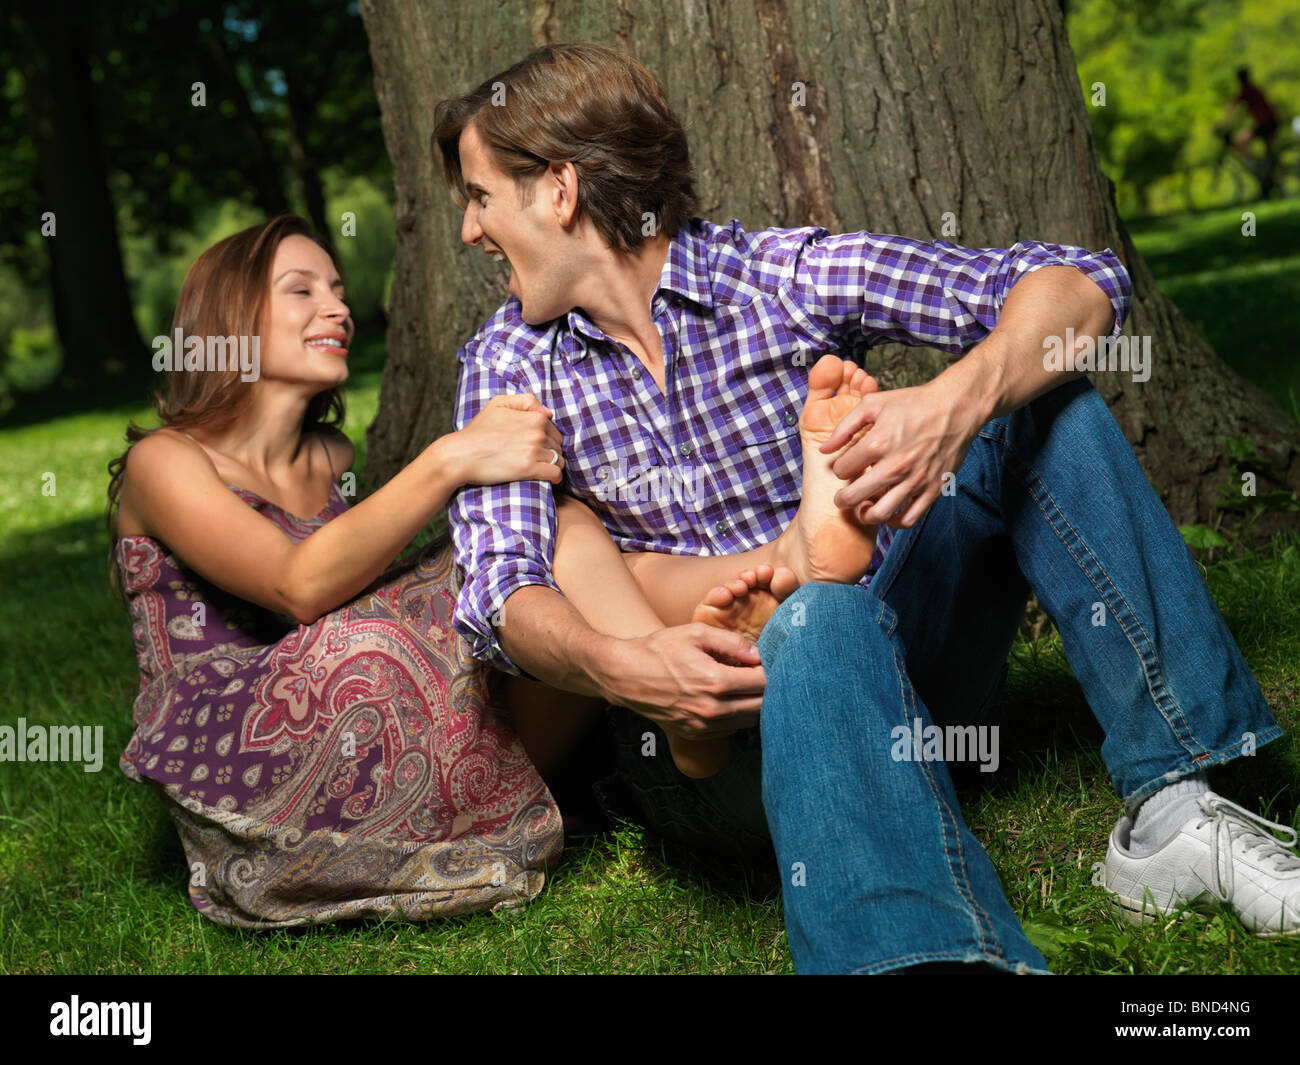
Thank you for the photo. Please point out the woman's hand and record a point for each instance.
(510, 439)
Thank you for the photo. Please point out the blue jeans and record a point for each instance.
(877, 866)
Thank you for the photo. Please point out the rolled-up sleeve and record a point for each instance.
(504, 534)
(889, 288)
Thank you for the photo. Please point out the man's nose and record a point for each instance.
(470, 233)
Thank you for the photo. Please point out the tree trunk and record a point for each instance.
(911, 111)
(302, 107)
(92, 304)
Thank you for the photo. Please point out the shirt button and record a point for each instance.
(721, 527)
(791, 417)
(684, 450)
(636, 372)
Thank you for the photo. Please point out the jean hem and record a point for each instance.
(1198, 764)
(1019, 968)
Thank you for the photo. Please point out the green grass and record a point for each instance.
(1242, 291)
(92, 876)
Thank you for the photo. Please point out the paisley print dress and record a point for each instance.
(353, 767)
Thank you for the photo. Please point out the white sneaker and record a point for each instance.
(1226, 855)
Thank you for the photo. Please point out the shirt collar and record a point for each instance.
(685, 274)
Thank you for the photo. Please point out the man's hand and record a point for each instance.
(919, 434)
(916, 436)
(695, 680)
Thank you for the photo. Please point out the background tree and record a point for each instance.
(908, 112)
(92, 310)
(138, 122)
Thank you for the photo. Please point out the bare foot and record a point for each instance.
(742, 605)
(825, 542)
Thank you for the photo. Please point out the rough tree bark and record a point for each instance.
(909, 111)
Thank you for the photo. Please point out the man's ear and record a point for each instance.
(563, 186)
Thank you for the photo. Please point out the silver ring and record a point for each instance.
(555, 457)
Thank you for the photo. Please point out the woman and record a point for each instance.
(322, 738)
(319, 733)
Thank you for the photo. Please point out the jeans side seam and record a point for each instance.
(1091, 566)
(979, 917)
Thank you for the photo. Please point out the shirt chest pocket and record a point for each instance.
(750, 448)
(620, 471)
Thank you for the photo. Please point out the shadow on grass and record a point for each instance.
(1046, 720)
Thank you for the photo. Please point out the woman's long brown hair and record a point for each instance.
(224, 294)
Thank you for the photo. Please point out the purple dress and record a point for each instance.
(352, 767)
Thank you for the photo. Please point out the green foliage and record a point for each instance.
(367, 256)
(156, 278)
(33, 358)
(1201, 536)
(284, 115)
(1169, 72)
(1083, 946)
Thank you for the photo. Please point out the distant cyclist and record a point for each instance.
(1265, 128)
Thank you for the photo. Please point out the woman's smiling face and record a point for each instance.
(307, 326)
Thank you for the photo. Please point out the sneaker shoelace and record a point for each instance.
(1233, 822)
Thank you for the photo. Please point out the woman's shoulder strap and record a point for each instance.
(333, 475)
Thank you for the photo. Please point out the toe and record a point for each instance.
(784, 583)
(824, 377)
(720, 597)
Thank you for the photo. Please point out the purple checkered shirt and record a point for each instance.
(715, 465)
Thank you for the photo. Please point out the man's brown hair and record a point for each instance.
(591, 106)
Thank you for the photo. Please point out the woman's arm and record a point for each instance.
(174, 490)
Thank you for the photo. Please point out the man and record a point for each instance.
(652, 333)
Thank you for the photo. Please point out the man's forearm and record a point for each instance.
(544, 634)
(1006, 369)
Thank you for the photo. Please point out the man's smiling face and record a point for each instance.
(527, 236)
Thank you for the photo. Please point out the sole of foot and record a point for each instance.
(742, 605)
(826, 542)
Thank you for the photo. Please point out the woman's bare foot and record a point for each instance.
(742, 605)
(825, 542)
